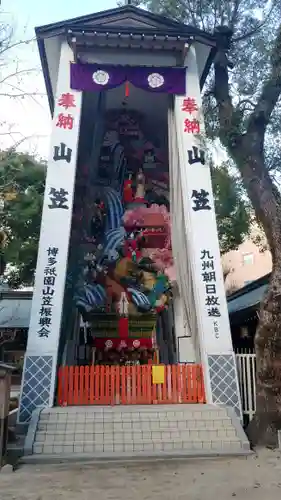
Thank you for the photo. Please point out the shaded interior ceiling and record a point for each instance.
(154, 107)
(150, 111)
(153, 122)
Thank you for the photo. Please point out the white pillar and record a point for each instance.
(216, 349)
(40, 367)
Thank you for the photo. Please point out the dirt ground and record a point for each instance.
(251, 478)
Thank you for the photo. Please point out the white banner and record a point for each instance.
(47, 303)
(211, 305)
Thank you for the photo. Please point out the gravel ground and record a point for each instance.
(256, 477)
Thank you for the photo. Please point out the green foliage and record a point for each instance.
(233, 213)
(22, 182)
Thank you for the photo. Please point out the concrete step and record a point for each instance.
(131, 408)
(208, 434)
(126, 417)
(101, 431)
(86, 416)
(145, 445)
(134, 410)
(124, 458)
(132, 426)
(86, 431)
(68, 439)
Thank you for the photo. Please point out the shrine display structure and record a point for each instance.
(128, 214)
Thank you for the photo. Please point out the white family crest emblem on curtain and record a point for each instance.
(100, 77)
(155, 80)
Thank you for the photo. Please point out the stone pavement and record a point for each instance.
(246, 478)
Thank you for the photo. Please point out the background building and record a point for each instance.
(246, 264)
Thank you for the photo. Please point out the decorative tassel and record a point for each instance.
(127, 89)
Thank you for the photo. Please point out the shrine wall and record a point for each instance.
(202, 54)
(52, 49)
(131, 57)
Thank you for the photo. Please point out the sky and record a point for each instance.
(26, 121)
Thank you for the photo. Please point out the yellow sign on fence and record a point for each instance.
(158, 374)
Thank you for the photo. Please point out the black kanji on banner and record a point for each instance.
(214, 312)
(58, 198)
(212, 300)
(48, 292)
(209, 279)
(62, 152)
(196, 155)
(209, 276)
(43, 332)
(200, 200)
(205, 254)
(52, 251)
(47, 301)
(210, 288)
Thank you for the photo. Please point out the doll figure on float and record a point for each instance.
(96, 227)
(139, 198)
(140, 186)
(149, 157)
(133, 246)
(128, 196)
(112, 165)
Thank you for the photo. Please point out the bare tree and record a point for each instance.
(16, 84)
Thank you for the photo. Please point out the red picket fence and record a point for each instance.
(129, 385)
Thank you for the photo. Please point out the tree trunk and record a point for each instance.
(244, 141)
(266, 201)
(267, 420)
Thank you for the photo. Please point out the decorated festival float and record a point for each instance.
(128, 274)
(128, 268)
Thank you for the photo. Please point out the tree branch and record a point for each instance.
(221, 86)
(270, 93)
(246, 101)
(191, 11)
(13, 45)
(257, 28)
(201, 15)
(233, 20)
(17, 73)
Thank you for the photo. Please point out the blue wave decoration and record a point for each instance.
(92, 297)
(139, 299)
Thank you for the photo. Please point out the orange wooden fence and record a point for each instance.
(129, 385)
